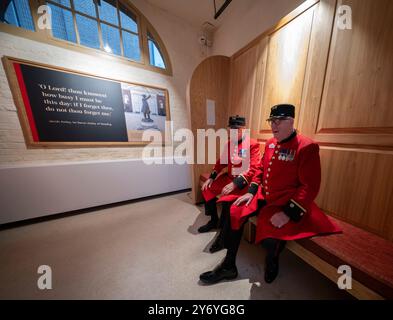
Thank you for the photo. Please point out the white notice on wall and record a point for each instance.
(211, 112)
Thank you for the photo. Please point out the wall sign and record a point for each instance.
(64, 108)
(211, 112)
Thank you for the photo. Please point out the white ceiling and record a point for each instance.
(195, 12)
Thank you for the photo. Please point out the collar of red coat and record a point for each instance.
(293, 135)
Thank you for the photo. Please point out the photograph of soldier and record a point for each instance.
(145, 107)
(230, 185)
(281, 193)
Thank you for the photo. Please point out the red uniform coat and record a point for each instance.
(289, 178)
(245, 155)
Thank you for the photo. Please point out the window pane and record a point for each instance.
(86, 6)
(62, 24)
(11, 16)
(18, 14)
(128, 20)
(111, 39)
(65, 3)
(108, 12)
(155, 55)
(131, 46)
(88, 31)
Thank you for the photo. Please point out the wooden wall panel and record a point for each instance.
(286, 65)
(210, 80)
(357, 95)
(246, 83)
(357, 187)
(314, 78)
(257, 107)
(243, 74)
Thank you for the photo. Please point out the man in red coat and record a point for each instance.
(241, 157)
(282, 193)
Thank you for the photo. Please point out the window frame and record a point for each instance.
(143, 24)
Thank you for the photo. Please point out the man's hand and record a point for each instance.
(228, 189)
(207, 184)
(244, 198)
(279, 219)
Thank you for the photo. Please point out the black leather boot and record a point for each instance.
(212, 224)
(221, 272)
(273, 247)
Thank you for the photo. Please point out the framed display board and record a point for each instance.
(64, 108)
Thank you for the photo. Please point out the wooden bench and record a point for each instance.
(369, 256)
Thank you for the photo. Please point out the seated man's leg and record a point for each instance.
(273, 249)
(210, 210)
(211, 202)
(227, 269)
(224, 221)
(231, 241)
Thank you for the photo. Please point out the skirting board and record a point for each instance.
(38, 190)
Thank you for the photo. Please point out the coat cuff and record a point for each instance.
(253, 188)
(294, 210)
(240, 182)
(213, 175)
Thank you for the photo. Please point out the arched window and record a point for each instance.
(17, 13)
(155, 56)
(112, 26)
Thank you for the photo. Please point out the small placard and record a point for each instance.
(211, 112)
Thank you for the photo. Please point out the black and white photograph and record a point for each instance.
(144, 107)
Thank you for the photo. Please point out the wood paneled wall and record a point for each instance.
(340, 82)
(210, 80)
(242, 84)
(286, 65)
(246, 83)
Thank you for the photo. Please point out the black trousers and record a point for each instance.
(211, 209)
(230, 239)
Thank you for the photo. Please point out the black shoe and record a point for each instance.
(219, 273)
(271, 269)
(216, 246)
(208, 226)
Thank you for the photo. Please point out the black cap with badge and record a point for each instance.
(282, 111)
(236, 121)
